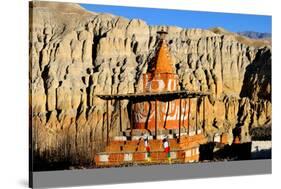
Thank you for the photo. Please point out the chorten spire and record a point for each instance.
(163, 58)
(162, 35)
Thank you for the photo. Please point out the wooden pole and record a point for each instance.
(180, 122)
(107, 122)
(120, 116)
(265, 110)
(204, 112)
(196, 116)
(155, 119)
(188, 118)
(132, 118)
(235, 110)
(204, 118)
(183, 113)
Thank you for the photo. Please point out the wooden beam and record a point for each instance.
(155, 119)
(153, 95)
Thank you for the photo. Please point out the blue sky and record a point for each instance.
(189, 19)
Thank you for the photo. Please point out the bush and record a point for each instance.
(261, 133)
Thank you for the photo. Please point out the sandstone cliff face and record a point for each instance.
(75, 54)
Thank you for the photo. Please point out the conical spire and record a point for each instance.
(163, 58)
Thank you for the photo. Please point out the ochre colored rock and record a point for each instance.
(73, 58)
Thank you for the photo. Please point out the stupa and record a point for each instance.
(160, 111)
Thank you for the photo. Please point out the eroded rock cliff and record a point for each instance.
(75, 54)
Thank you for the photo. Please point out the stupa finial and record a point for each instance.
(162, 34)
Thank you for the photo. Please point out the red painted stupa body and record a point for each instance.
(160, 77)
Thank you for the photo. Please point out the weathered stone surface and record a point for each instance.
(75, 54)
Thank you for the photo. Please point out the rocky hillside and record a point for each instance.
(76, 54)
(255, 35)
(245, 38)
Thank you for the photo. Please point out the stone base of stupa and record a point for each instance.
(126, 150)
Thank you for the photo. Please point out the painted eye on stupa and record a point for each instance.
(157, 85)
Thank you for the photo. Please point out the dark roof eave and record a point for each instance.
(169, 95)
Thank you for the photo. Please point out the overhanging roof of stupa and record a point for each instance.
(162, 96)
